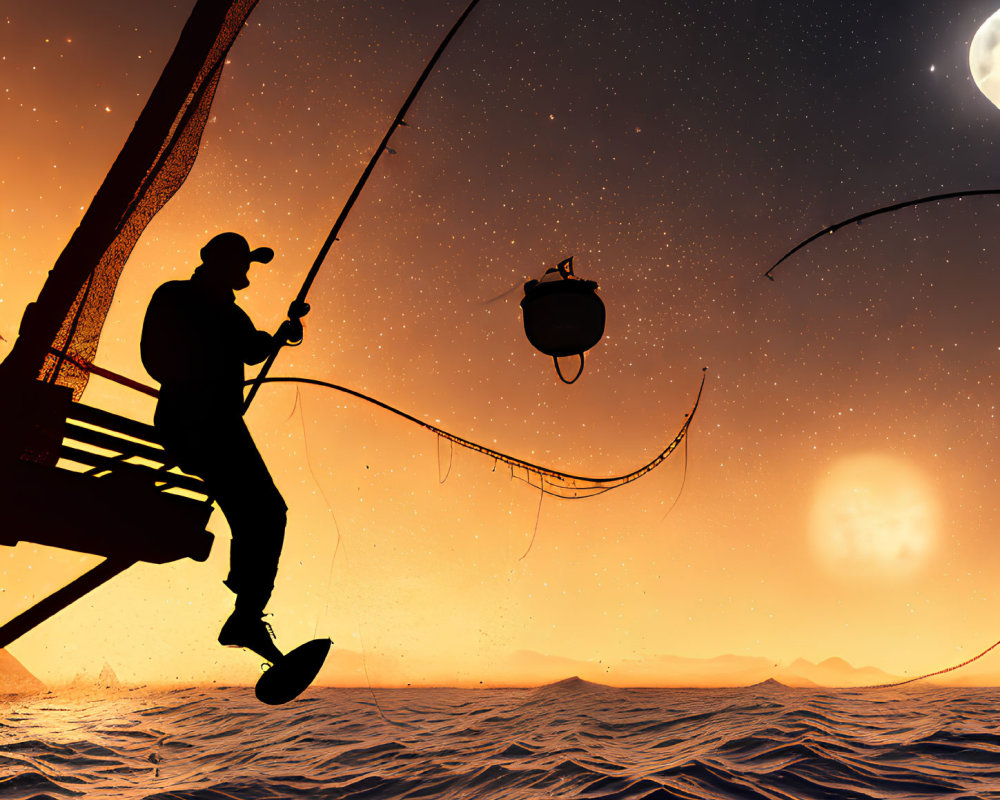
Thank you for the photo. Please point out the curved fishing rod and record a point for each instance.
(884, 210)
(298, 307)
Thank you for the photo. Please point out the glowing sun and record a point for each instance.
(873, 515)
(984, 58)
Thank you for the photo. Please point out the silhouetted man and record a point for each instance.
(195, 341)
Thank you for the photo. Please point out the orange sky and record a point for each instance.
(514, 158)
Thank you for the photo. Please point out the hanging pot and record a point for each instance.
(563, 316)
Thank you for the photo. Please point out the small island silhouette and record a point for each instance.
(15, 678)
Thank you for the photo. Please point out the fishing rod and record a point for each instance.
(883, 210)
(298, 307)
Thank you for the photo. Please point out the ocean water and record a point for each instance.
(568, 740)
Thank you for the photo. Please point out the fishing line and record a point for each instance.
(295, 405)
(684, 478)
(451, 460)
(932, 674)
(502, 295)
(333, 559)
(329, 508)
(538, 516)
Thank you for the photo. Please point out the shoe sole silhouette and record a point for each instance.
(292, 674)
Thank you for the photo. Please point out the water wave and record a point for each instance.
(569, 740)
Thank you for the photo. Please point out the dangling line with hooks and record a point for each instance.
(884, 210)
(553, 482)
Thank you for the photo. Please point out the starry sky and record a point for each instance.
(841, 492)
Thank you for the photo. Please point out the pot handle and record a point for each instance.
(565, 268)
(579, 372)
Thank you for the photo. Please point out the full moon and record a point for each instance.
(984, 58)
(873, 515)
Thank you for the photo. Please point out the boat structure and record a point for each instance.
(77, 477)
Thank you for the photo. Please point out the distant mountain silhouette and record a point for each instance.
(681, 672)
(106, 679)
(533, 670)
(15, 679)
(733, 670)
(530, 669)
(770, 683)
(833, 672)
(572, 686)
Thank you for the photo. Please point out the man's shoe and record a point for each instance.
(251, 632)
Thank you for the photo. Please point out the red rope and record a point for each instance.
(107, 374)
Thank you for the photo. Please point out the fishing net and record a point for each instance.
(151, 167)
